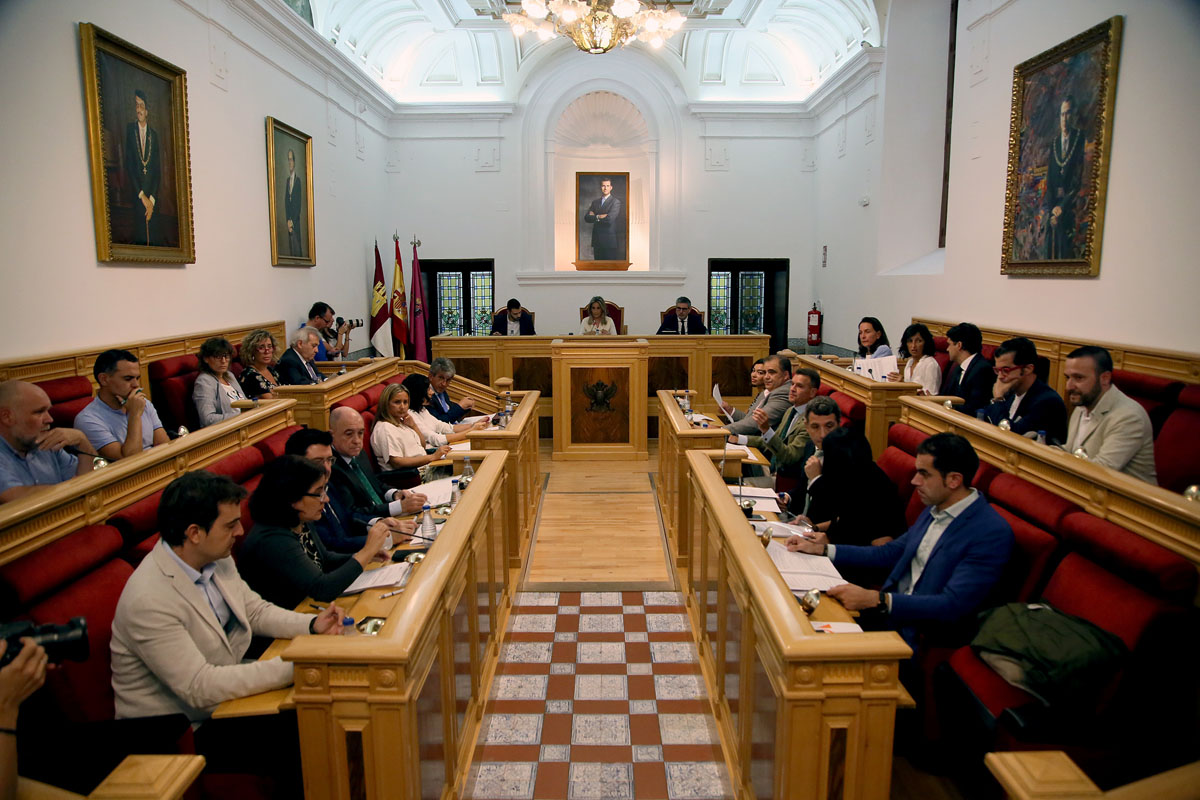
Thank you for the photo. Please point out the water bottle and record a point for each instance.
(455, 493)
(704, 425)
(509, 406)
(468, 470)
(1041, 437)
(348, 627)
(428, 529)
(981, 415)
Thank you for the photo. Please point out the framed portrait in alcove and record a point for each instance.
(601, 220)
(1059, 147)
(290, 196)
(136, 106)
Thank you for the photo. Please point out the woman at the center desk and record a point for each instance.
(597, 321)
(397, 440)
(283, 559)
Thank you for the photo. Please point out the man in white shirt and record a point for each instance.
(1111, 428)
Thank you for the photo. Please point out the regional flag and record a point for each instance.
(399, 305)
(380, 337)
(420, 337)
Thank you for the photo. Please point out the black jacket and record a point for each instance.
(292, 371)
(859, 510)
(975, 388)
(348, 493)
(1041, 410)
(670, 324)
(500, 323)
(273, 563)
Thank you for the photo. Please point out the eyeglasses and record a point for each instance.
(1007, 370)
(266, 346)
(222, 357)
(324, 493)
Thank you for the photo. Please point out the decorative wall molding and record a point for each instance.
(650, 277)
(716, 155)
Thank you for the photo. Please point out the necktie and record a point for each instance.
(364, 482)
(310, 547)
(791, 421)
(216, 600)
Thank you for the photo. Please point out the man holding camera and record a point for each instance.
(320, 319)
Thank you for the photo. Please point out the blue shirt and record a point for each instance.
(39, 468)
(204, 582)
(104, 425)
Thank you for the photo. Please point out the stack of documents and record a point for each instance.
(385, 576)
(802, 571)
(764, 499)
(437, 491)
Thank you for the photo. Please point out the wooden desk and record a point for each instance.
(599, 399)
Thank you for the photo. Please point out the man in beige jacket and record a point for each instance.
(1111, 428)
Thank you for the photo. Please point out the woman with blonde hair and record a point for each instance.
(396, 439)
(596, 321)
(259, 378)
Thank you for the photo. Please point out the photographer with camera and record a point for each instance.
(19, 679)
(334, 339)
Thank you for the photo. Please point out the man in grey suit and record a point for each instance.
(1111, 428)
(785, 444)
(773, 400)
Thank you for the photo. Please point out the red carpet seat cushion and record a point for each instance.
(68, 396)
(171, 382)
(1149, 566)
(1176, 456)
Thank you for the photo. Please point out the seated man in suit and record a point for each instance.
(944, 566)
(184, 623)
(971, 377)
(773, 400)
(120, 421)
(1021, 397)
(514, 322)
(441, 371)
(1111, 428)
(786, 444)
(339, 529)
(296, 364)
(822, 417)
(33, 455)
(684, 321)
(353, 484)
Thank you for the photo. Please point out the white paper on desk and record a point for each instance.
(757, 491)
(740, 448)
(804, 571)
(761, 503)
(876, 368)
(461, 446)
(717, 397)
(437, 492)
(473, 420)
(388, 575)
(835, 627)
(698, 417)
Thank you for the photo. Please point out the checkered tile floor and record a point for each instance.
(598, 695)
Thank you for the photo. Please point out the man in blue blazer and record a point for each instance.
(441, 372)
(945, 566)
(1021, 397)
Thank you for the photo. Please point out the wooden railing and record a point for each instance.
(1152, 511)
(160, 777)
(396, 715)
(80, 362)
(37, 520)
(1052, 774)
(1173, 365)
(801, 714)
(676, 437)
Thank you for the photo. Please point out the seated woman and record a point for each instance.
(397, 440)
(283, 559)
(435, 432)
(597, 321)
(872, 340)
(921, 367)
(849, 496)
(216, 387)
(259, 378)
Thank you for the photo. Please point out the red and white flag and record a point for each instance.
(380, 337)
(399, 305)
(420, 338)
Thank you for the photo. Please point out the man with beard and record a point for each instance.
(1111, 428)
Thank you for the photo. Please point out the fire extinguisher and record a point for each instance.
(815, 318)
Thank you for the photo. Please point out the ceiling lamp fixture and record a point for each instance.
(596, 26)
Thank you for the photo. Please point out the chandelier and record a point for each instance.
(596, 26)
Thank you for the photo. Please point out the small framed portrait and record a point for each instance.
(1058, 155)
(601, 220)
(290, 196)
(140, 160)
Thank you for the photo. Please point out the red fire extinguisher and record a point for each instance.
(815, 318)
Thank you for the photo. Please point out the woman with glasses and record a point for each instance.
(283, 559)
(259, 378)
(216, 388)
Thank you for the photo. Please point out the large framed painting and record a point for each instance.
(1058, 155)
(290, 196)
(136, 106)
(601, 220)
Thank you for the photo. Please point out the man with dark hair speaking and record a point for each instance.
(945, 565)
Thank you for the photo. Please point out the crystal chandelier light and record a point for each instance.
(596, 26)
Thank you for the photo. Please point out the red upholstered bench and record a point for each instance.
(1157, 395)
(171, 382)
(68, 396)
(138, 524)
(1149, 566)
(1176, 456)
(854, 412)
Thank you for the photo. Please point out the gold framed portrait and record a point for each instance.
(290, 196)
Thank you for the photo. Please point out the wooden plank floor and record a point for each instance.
(599, 529)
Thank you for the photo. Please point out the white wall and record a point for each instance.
(1147, 288)
(59, 297)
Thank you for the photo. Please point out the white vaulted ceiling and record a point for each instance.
(460, 51)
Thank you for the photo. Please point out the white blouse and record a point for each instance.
(588, 326)
(433, 429)
(389, 440)
(927, 373)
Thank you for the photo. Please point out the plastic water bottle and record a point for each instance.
(348, 627)
(509, 405)
(455, 493)
(1041, 437)
(428, 529)
(704, 425)
(468, 470)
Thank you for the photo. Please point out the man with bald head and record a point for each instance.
(32, 455)
(354, 484)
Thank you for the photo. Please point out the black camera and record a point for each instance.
(354, 323)
(62, 642)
